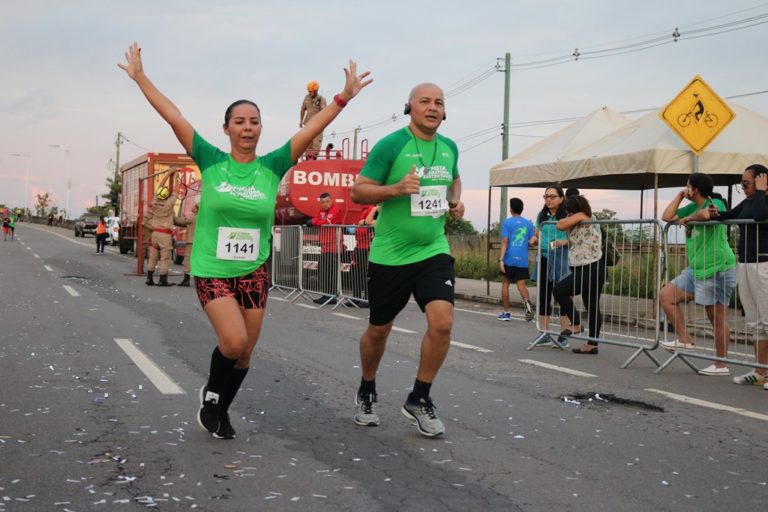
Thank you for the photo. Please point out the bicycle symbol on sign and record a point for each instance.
(698, 114)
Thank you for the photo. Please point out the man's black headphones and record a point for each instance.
(407, 110)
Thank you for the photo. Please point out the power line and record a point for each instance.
(645, 44)
(464, 150)
(650, 41)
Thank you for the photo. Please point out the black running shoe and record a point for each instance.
(225, 430)
(208, 415)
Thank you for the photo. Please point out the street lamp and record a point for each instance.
(27, 156)
(69, 178)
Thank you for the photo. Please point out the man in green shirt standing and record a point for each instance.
(413, 173)
(709, 278)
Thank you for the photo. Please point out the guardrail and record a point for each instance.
(623, 309)
(324, 263)
(726, 317)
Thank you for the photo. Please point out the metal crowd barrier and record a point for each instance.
(327, 263)
(720, 334)
(286, 259)
(625, 293)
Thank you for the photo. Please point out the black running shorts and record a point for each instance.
(390, 287)
(515, 274)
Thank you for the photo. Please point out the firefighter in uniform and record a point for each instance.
(189, 237)
(162, 234)
(312, 104)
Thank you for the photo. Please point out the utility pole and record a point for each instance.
(117, 169)
(354, 144)
(505, 134)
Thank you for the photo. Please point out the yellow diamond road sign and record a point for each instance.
(697, 114)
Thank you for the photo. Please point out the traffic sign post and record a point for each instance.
(697, 115)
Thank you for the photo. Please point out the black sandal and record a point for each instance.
(592, 352)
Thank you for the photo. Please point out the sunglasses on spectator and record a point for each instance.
(550, 196)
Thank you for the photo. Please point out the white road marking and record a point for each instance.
(36, 255)
(49, 269)
(342, 315)
(279, 299)
(556, 368)
(711, 405)
(476, 312)
(29, 248)
(400, 329)
(470, 347)
(154, 373)
(307, 306)
(71, 291)
(61, 236)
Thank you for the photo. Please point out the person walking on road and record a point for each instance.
(6, 228)
(516, 236)
(101, 235)
(161, 245)
(188, 222)
(237, 208)
(413, 173)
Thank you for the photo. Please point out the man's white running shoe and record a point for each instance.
(365, 414)
(423, 413)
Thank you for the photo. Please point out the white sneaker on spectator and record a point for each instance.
(715, 370)
(676, 345)
(752, 377)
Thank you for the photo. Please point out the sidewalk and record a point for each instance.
(478, 290)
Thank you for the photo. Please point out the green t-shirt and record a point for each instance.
(234, 195)
(401, 238)
(707, 246)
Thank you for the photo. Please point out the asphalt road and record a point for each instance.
(85, 427)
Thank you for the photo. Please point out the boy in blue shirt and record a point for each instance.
(516, 234)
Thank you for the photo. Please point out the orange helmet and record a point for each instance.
(313, 86)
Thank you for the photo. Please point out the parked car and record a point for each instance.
(113, 230)
(86, 224)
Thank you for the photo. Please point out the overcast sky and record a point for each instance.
(61, 86)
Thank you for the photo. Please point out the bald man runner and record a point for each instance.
(413, 174)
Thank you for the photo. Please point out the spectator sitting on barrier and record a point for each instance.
(587, 274)
(752, 271)
(516, 236)
(710, 276)
(553, 261)
(327, 271)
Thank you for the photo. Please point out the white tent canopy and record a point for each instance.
(540, 164)
(604, 150)
(646, 153)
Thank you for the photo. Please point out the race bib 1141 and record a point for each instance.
(238, 244)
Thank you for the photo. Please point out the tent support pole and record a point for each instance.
(642, 201)
(488, 247)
